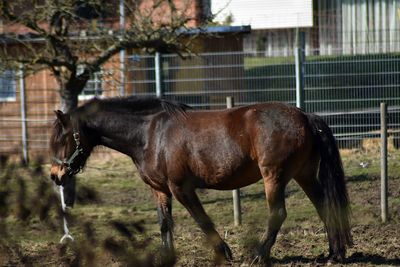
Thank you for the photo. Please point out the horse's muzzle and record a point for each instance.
(57, 174)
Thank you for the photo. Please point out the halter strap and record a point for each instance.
(68, 162)
(76, 138)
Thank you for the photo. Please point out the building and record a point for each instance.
(332, 27)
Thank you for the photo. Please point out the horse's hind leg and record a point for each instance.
(274, 184)
(188, 198)
(309, 183)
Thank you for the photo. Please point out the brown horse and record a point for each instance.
(177, 150)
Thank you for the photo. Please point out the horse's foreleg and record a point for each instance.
(275, 192)
(191, 202)
(164, 210)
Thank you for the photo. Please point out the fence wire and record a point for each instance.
(344, 89)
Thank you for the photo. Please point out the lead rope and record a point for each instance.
(63, 206)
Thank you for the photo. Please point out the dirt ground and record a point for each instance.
(115, 221)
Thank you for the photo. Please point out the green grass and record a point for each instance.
(254, 62)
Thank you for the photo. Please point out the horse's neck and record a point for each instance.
(127, 135)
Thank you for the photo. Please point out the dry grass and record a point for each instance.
(123, 198)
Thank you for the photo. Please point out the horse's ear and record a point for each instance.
(62, 118)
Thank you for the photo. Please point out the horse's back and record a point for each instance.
(225, 149)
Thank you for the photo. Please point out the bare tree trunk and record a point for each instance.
(69, 100)
(70, 88)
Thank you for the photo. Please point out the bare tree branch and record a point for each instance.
(65, 35)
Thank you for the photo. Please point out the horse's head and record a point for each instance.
(69, 151)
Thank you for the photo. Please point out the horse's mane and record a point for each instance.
(122, 105)
(137, 105)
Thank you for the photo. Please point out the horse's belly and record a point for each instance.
(242, 176)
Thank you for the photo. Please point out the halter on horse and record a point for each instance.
(68, 163)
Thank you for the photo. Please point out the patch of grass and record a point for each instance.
(253, 62)
(123, 197)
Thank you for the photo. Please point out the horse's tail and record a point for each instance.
(331, 177)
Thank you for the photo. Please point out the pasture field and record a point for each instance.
(115, 220)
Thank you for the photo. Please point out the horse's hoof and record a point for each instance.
(261, 260)
(336, 258)
(223, 251)
(167, 256)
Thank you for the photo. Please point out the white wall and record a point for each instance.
(265, 14)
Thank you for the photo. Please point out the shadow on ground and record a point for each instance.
(356, 258)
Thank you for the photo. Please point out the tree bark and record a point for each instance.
(69, 100)
(70, 88)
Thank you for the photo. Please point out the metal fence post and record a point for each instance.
(237, 213)
(384, 167)
(158, 71)
(299, 65)
(122, 52)
(24, 128)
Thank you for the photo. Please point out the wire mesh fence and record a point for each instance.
(345, 89)
(205, 80)
(41, 97)
(347, 92)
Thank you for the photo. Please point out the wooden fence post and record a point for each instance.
(237, 213)
(384, 167)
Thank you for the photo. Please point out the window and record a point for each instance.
(7, 86)
(94, 86)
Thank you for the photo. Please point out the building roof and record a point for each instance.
(218, 30)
